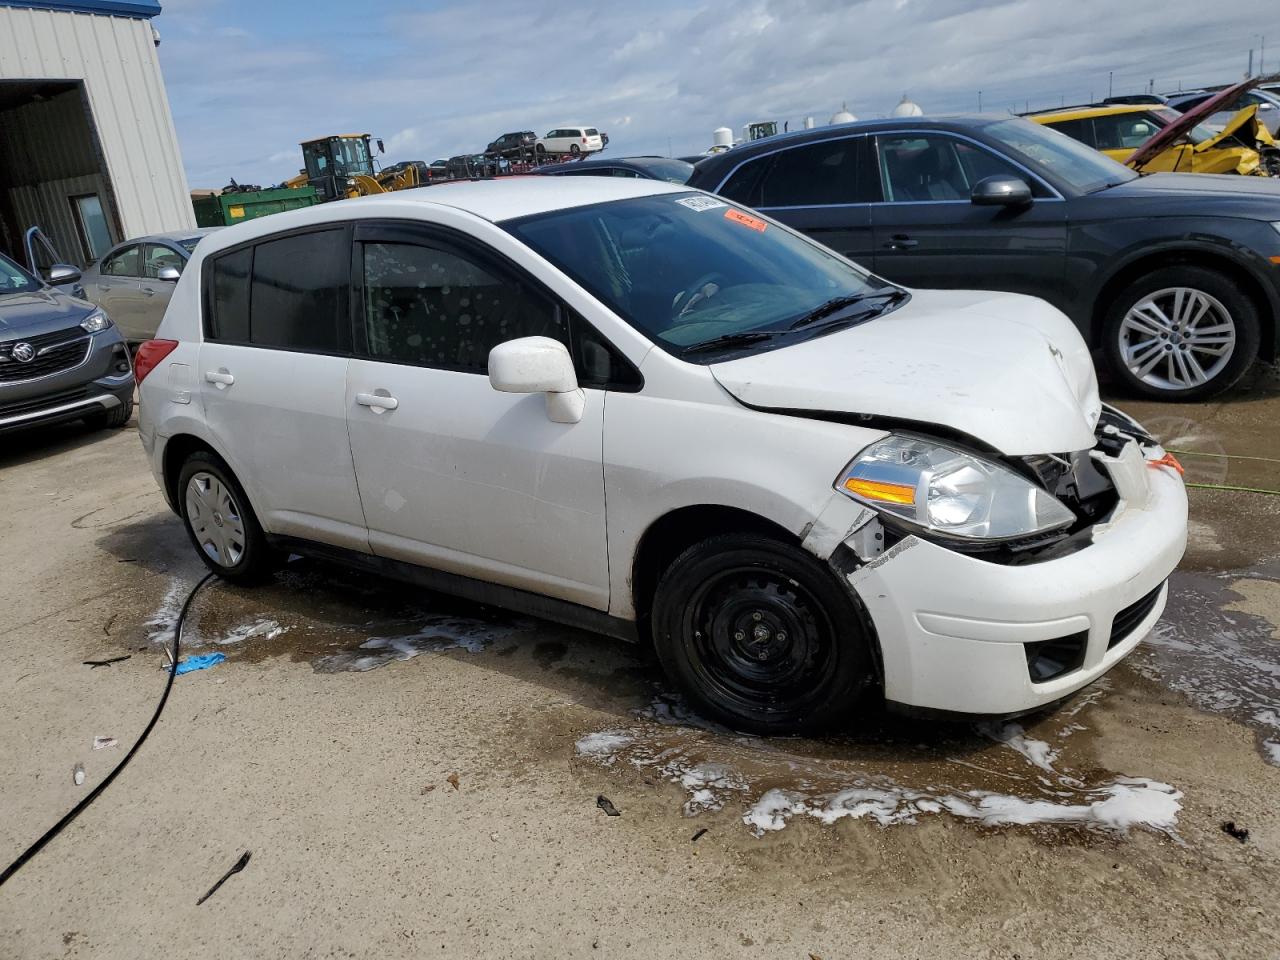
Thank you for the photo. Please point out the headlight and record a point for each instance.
(948, 491)
(96, 321)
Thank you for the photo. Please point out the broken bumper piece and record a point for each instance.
(964, 635)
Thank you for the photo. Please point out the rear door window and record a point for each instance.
(298, 296)
(814, 175)
(157, 257)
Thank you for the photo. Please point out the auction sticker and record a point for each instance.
(700, 203)
(737, 216)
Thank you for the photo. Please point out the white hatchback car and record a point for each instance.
(573, 140)
(642, 410)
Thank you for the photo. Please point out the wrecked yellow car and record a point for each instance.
(1243, 146)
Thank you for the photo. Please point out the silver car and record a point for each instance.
(135, 280)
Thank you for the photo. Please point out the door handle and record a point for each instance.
(220, 378)
(378, 402)
(900, 241)
(148, 291)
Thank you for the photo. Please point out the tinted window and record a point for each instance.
(592, 132)
(436, 307)
(126, 263)
(744, 186)
(661, 168)
(228, 303)
(1081, 130)
(299, 292)
(813, 175)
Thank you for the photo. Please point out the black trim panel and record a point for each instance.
(468, 588)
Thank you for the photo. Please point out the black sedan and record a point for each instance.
(1175, 278)
(640, 168)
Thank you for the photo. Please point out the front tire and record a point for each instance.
(759, 635)
(220, 522)
(574, 149)
(1181, 333)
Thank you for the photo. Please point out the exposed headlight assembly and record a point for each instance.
(96, 321)
(950, 492)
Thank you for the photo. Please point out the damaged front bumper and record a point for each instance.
(961, 634)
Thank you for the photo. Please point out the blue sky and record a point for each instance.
(248, 80)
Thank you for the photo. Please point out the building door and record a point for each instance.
(91, 226)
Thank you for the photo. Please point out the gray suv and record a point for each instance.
(61, 358)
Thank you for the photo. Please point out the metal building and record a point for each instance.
(87, 146)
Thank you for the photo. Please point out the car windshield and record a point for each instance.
(693, 272)
(13, 279)
(1058, 157)
(672, 171)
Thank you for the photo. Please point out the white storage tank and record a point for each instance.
(722, 137)
(906, 108)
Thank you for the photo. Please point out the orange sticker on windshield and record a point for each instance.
(737, 216)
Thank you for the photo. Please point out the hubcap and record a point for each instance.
(215, 519)
(1177, 338)
(761, 639)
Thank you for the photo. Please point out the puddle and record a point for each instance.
(991, 774)
(1224, 660)
(433, 634)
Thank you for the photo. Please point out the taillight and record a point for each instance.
(149, 355)
(584, 139)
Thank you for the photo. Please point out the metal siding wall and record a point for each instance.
(117, 59)
(49, 206)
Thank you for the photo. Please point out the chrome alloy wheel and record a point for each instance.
(215, 519)
(1177, 338)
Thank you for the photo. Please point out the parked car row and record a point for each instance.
(526, 145)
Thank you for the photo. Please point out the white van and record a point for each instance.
(654, 414)
(573, 140)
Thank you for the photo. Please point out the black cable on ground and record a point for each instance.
(93, 794)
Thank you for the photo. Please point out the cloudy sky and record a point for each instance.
(249, 79)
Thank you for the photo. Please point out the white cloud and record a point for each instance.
(451, 79)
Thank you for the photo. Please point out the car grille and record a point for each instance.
(1128, 619)
(55, 352)
(28, 404)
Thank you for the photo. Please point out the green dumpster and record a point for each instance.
(229, 208)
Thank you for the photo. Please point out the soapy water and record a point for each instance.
(1224, 661)
(433, 633)
(998, 775)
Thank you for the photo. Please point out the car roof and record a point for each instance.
(495, 200)
(172, 236)
(636, 161)
(1083, 113)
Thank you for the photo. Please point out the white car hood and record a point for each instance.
(1009, 370)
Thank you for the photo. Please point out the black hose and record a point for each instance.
(79, 808)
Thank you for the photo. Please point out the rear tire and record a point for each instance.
(112, 419)
(760, 636)
(220, 522)
(1181, 333)
(574, 149)
(539, 150)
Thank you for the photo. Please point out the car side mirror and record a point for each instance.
(1001, 192)
(63, 273)
(539, 365)
(168, 273)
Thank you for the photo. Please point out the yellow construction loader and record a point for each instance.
(342, 165)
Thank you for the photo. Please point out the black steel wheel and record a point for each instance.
(761, 636)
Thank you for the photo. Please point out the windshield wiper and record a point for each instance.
(837, 304)
(729, 340)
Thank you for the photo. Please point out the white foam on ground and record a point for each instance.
(437, 634)
(260, 629)
(1047, 795)
(604, 745)
(161, 623)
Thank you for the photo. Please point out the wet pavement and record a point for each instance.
(1179, 739)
